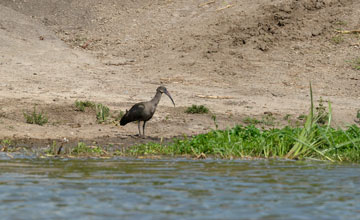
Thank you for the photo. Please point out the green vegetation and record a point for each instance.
(102, 113)
(81, 105)
(341, 23)
(35, 118)
(213, 117)
(83, 149)
(356, 63)
(301, 117)
(5, 144)
(337, 39)
(322, 114)
(197, 109)
(267, 120)
(52, 150)
(80, 150)
(313, 141)
(251, 121)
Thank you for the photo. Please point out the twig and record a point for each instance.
(206, 3)
(349, 32)
(86, 44)
(228, 6)
(214, 97)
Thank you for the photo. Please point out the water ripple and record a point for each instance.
(177, 189)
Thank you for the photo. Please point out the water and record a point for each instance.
(177, 189)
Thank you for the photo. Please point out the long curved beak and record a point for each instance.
(168, 94)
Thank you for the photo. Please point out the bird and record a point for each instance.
(144, 111)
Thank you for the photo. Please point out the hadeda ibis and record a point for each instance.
(144, 111)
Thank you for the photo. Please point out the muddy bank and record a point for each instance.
(240, 58)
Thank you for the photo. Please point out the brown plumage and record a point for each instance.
(144, 111)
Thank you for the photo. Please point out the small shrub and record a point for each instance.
(197, 109)
(102, 113)
(358, 114)
(81, 105)
(35, 118)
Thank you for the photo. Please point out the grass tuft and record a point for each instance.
(338, 39)
(356, 63)
(197, 109)
(102, 113)
(321, 112)
(5, 144)
(81, 105)
(267, 120)
(35, 118)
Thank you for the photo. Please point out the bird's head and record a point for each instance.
(162, 89)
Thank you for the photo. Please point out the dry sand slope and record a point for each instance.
(252, 56)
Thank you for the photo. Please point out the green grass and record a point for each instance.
(321, 112)
(341, 23)
(35, 117)
(338, 39)
(312, 141)
(293, 143)
(267, 120)
(301, 117)
(52, 150)
(251, 121)
(83, 149)
(356, 63)
(102, 113)
(81, 105)
(5, 144)
(197, 109)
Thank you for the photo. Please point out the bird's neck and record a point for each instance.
(156, 98)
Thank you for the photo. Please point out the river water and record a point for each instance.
(177, 189)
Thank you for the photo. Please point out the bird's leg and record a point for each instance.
(144, 129)
(139, 128)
